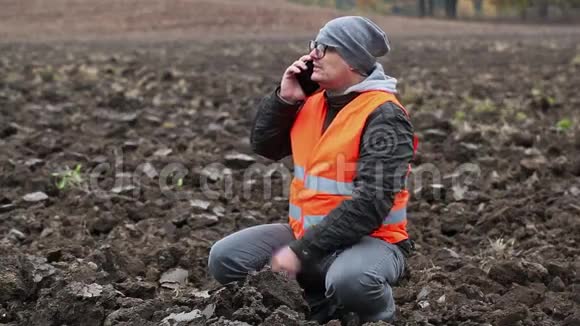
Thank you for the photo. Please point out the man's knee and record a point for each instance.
(221, 262)
(233, 257)
(355, 290)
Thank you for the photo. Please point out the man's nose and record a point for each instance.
(313, 54)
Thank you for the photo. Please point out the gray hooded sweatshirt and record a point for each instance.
(377, 80)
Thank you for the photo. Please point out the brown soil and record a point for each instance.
(118, 248)
(203, 20)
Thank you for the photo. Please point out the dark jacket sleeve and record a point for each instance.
(385, 152)
(270, 136)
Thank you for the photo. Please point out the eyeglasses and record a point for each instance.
(319, 47)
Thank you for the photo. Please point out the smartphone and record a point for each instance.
(308, 85)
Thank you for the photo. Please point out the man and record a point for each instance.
(352, 142)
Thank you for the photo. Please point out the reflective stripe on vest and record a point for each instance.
(394, 217)
(294, 212)
(312, 220)
(322, 184)
(299, 172)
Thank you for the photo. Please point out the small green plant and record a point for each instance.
(180, 182)
(576, 60)
(498, 249)
(520, 116)
(459, 116)
(485, 106)
(540, 96)
(68, 177)
(564, 124)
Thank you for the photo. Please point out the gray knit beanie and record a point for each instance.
(358, 40)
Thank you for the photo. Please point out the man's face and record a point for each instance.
(330, 70)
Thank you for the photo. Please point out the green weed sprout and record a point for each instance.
(68, 177)
(459, 116)
(564, 124)
(520, 116)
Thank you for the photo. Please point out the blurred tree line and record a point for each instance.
(542, 9)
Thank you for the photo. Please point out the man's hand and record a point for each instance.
(290, 89)
(285, 260)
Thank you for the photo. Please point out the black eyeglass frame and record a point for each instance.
(320, 48)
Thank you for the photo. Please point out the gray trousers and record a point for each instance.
(355, 279)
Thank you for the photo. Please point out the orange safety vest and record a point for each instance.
(325, 164)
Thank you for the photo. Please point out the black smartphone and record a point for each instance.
(308, 85)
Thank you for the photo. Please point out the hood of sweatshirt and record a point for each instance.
(376, 81)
